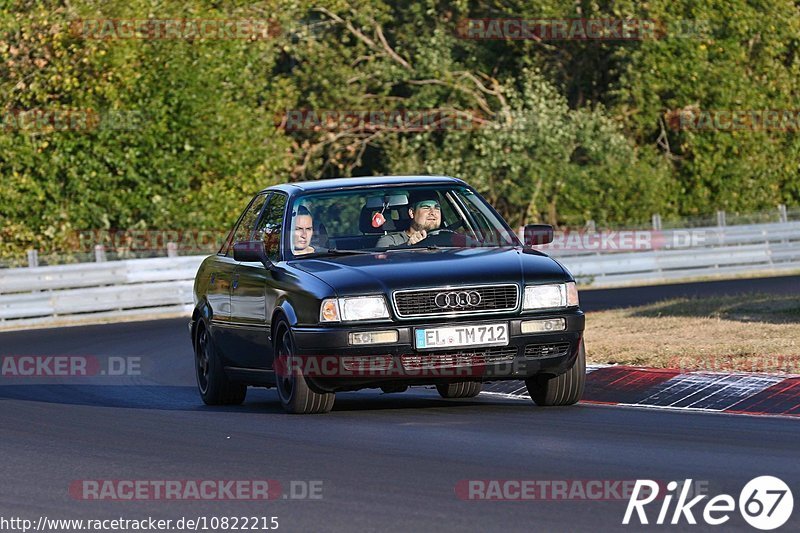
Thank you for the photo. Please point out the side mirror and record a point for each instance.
(538, 234)
(250, 252)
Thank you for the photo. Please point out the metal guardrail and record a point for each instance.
(116, 289)
(30, 296)
(717, 251)
(694, 237)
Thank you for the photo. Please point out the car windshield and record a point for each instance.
(394, 218)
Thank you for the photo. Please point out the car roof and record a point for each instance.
(330, 184)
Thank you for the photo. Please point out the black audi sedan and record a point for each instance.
(383, 282)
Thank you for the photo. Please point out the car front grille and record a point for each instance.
(459, 358)
(493, 299)
(541, 351)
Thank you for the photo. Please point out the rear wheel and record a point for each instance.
(214, 386)
(565, 389)
(461, 389)
(293, 389)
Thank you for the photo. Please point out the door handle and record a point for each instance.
(235, 281)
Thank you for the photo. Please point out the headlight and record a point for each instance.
(355, 308)
(550, 296)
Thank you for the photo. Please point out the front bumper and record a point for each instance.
(331, 362)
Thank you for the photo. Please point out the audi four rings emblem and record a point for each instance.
(457, 299)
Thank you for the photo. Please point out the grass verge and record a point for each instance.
(743, 333)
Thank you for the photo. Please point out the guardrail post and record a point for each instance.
(33, 258)
(657, 222)
(721, 218)
(784, 217)
(99, 253)
(172, 249)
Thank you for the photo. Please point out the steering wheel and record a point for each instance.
(437, 237)
(439, 231)
(455, 225)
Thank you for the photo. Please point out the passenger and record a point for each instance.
(303, 232)
(426, 215)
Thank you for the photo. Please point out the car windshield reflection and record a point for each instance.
(372, 220)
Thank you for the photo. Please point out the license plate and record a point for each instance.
(457, 336)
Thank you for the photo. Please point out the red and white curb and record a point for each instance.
(740, 393)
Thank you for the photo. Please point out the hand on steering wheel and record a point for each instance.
(417, 236)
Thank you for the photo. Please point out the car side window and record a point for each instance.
(244, 229)
(270, 225)
(486, 232)
(449, 216)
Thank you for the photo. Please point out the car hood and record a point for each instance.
(421, 268)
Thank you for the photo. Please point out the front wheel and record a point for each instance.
(461, 389)
(293, 389)
(214, 386)
(565, 389)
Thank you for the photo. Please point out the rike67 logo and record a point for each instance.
(765, 503)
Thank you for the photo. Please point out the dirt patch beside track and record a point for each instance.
(746, 333)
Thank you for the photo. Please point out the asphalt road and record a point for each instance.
(599, 299)
(385, 462)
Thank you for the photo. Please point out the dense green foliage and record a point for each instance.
(565, 131)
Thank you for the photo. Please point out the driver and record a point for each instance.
(426, 215)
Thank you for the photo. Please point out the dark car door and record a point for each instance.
(252, 291)
(222, 279)
(218, 293)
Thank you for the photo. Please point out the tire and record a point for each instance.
(565, 389)
(461, 389)
(214, 386)
(295, 394)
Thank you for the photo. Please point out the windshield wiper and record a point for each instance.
(335, 251)
(407, 248)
